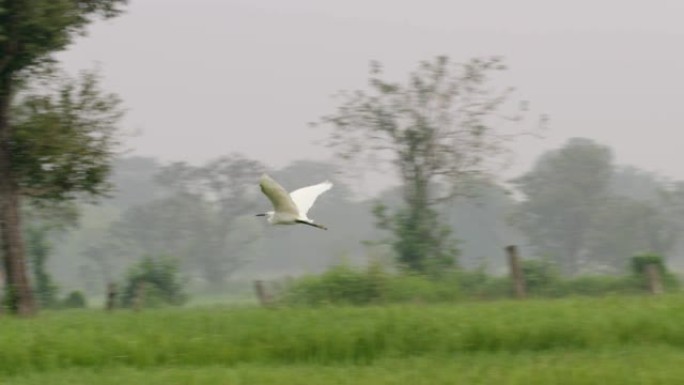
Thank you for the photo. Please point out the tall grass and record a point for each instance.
(626, 366)
(333, 335)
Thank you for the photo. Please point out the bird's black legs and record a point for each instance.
(311, 224)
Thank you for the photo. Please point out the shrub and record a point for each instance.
(344, 284)
(540, 275)
(341, 284)
(639, 263)
(161, 281)
(75, 300)
(480, 285)
(599, 285)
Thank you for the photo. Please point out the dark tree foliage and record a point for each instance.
(31, 31)
(64, 139)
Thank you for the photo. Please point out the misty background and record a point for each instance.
(205, 79)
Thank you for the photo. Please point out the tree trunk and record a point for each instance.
(19, 296)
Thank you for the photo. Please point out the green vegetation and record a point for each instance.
(348, 285)
(156, 281)
(57, 134)
(438, 131)
(566, 341)
(629, 366)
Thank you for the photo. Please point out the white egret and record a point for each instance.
(291, 208)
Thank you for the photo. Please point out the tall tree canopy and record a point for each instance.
(585, 213)
(30, 32)
(563, 191)
(440, 129)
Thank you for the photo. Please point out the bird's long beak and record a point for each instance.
(261, 215)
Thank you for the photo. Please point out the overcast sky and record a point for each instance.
(202, 78)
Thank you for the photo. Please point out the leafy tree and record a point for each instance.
(226, 186)
(671, 204)
(563, 191)
(586, 213)
(133, 181)
(197, 219)
(634, 183)
(623, 227)
(42, 224)
(175, 225)
(38, 251)
(438, 130)
(30, 32)
(483, 223)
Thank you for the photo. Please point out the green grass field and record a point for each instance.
(617, 340)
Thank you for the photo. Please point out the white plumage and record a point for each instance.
(291, 208)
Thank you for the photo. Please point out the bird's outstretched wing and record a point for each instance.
(305, 197)
(282, 203)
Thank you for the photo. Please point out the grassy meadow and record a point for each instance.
(612, 340)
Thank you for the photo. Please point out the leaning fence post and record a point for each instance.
(655, 283)
(111, 296)
(262, 295)
(516, 271)
(2, 292)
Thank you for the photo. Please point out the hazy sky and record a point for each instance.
(202, 78)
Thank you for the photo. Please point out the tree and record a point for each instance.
(438, 130)
(30, 32)
(133, 181)
(585, 213)
(623, 227)
(563, 191)
(175, 225)
(197, 220)
(226, 186)
(41, 225)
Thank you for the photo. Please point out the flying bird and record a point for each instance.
(290, 209)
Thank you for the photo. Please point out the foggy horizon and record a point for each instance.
(605, 71)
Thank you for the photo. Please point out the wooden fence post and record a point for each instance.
(111, 296)
(262, 295)
(655, 283)
(516, 271)
(2, 292)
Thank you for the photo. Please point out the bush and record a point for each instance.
(540, 275)
(75, 300)
(341, 284)
(161, 282)
(422, 288)
(344, 284)
(542, 279)
(479, 285)
(639, 263)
